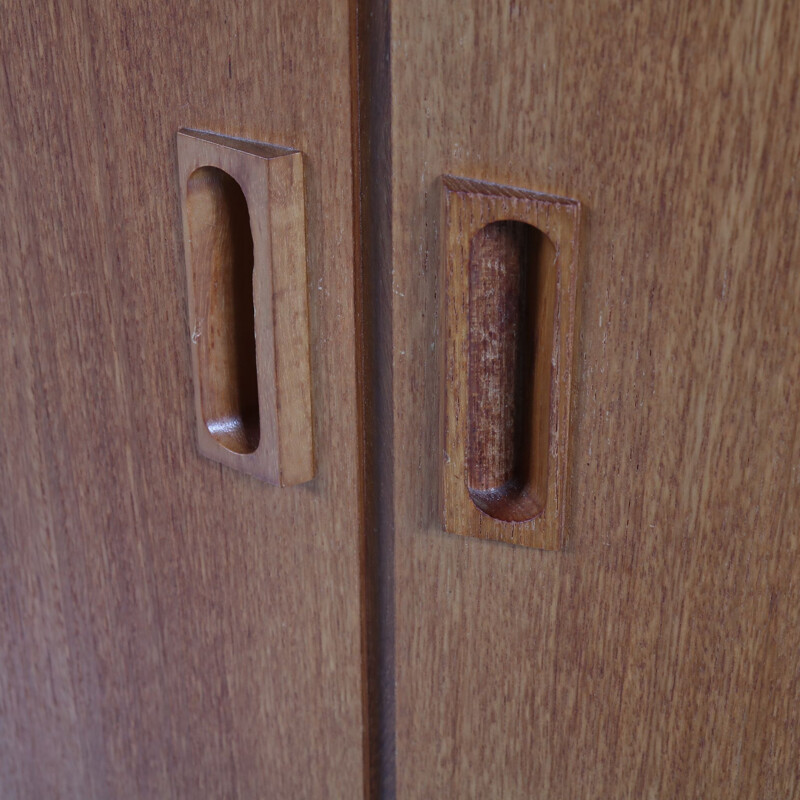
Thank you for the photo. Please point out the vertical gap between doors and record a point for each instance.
(372, 159)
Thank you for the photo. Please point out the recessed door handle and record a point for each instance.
(508, 304)
(244, 233)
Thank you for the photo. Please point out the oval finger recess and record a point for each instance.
(222, 249)
(511, 303)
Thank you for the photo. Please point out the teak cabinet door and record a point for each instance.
(657, 654)
(173, 628)
(170, 628)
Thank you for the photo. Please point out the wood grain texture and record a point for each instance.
(244, 226)
(658, 654)
(506, 408)
(499, 371)
(169, 628)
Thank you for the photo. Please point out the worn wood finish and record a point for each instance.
(498, 364)
(244, 229)
(507, 360)
(169, 628)
(657, 655)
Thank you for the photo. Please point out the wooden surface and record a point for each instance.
(658, 655)
(169, 628)
(501, 473)
(522, 502)
(244, 225)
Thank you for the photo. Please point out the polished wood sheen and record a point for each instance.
(508, 309)
(656, 655)
(247, 282)
(169, 628)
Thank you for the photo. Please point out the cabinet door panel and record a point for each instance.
(656, 655)
(170, 628)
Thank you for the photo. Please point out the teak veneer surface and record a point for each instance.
(657, 655)
(170, 628)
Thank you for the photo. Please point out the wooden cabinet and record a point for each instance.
(170, 627)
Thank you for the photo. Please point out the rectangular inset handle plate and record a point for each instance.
(244, 238)
(509, 309)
